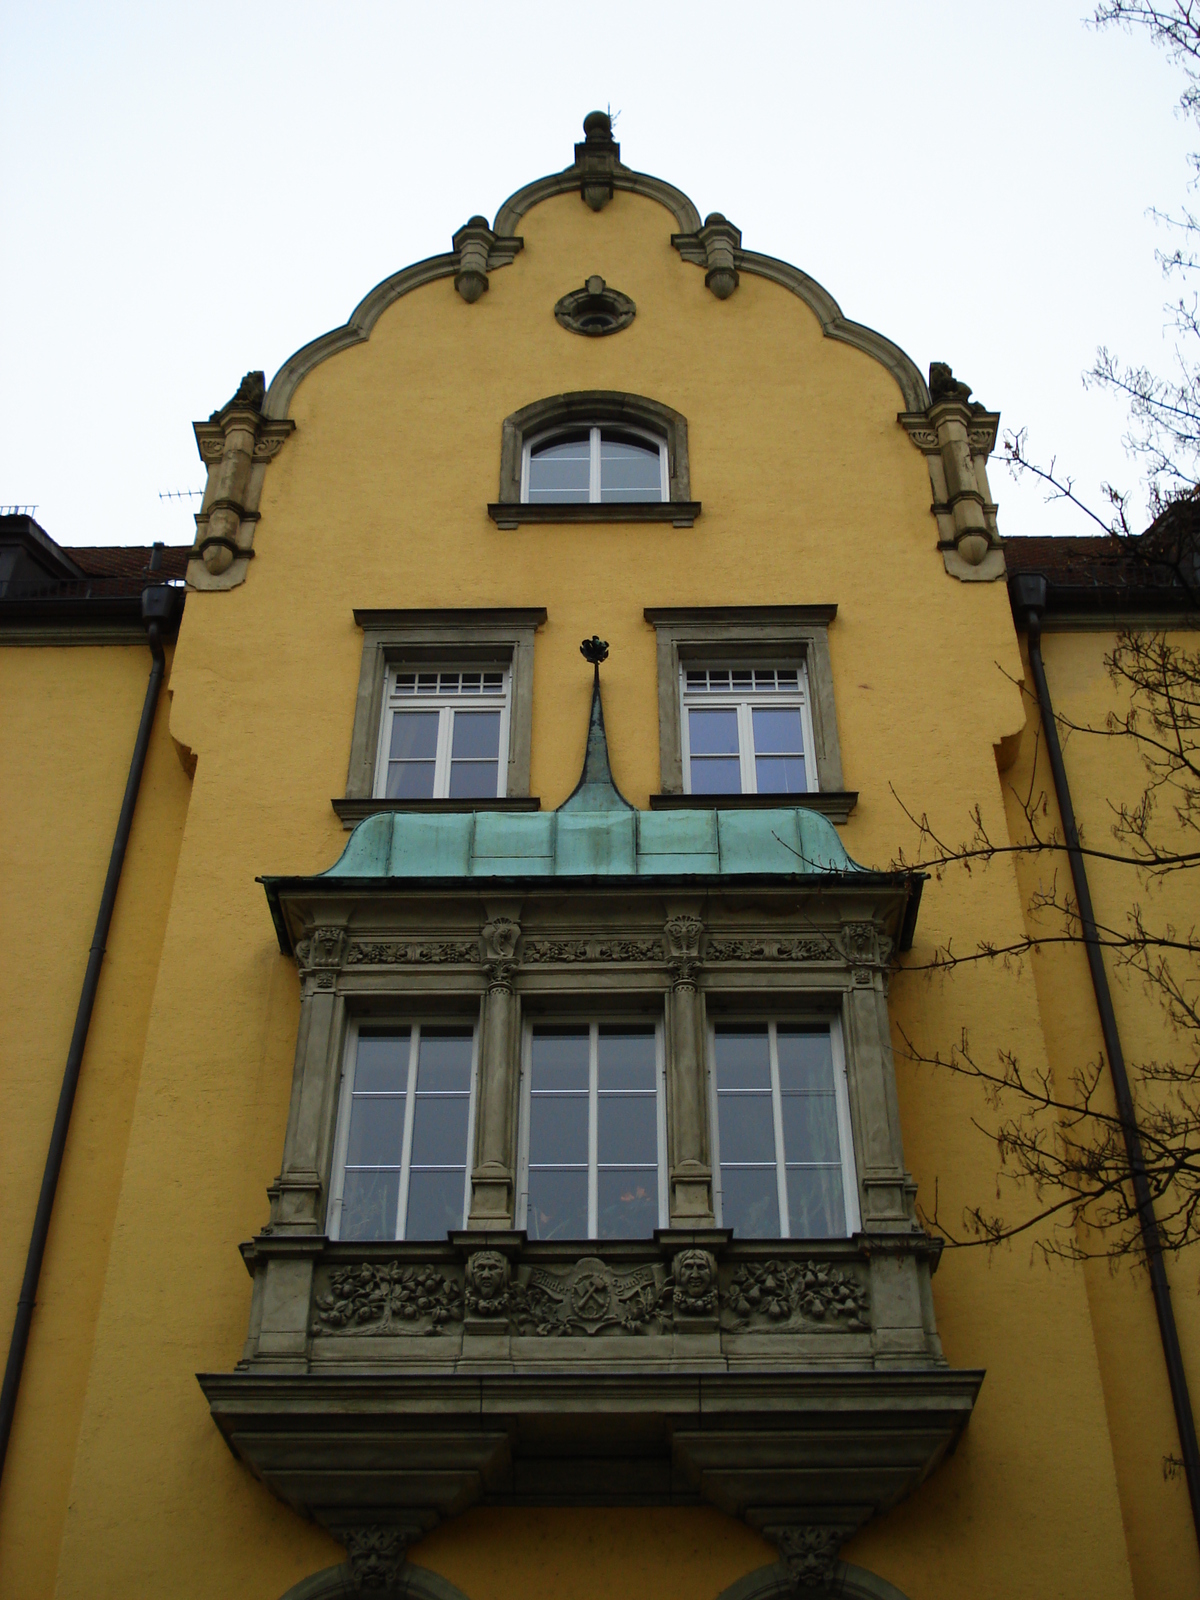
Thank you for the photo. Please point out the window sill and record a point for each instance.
(352, 812)
(836, 804)
(682, 513)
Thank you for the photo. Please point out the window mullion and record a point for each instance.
(746, 747)
(410, 1106)
(441, 764)
(594, 464)
(345, 1105)
(660, 1097)
(785, 1229)
(593, 1127)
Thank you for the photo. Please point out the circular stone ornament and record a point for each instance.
(595, 310)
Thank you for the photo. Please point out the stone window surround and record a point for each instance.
(493, 634)
(588, 407)
(765, 634)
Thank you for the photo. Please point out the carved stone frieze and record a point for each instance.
(762, 1296)
(376, 1556)
(589, 1299)
(771, 949)
(567, 950)
(809, 1552)
(410, 952)
(388, 1298)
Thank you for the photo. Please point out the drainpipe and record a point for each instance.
(1028, 594)
(158, 609)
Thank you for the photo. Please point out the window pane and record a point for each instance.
(743, 1058)
(558, 1129)
(440, 1131)
(414, 735)
(376, 1131)
(381, 1063)
(778, 731)
(369, 1205)
(627, 1204)
(444, 1059)
(557, 1205)
(805, 1058)
(816, 1203)
(476, 735)
(560, 472)
(627, 1059)
(781, 775)
(716, 775)
(746, 1127)
(810, 1130)
(435, 1204)
(474, 780)
(750, 1202)
(713, 732)
(410, 780)
(560, 1058)
(629, 471)
(627, 1129)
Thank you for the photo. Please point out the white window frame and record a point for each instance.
(594, 431)
(841, 1100)
(345, 1095)
(445, 704)
(593, 1023)
(746, 701)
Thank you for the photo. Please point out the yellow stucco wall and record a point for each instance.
(812, 493)
(68, 719)
(1104, 773)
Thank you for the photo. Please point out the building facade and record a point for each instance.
(500, 1164)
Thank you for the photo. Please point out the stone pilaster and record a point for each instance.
(687, 1116)
(493, 1179)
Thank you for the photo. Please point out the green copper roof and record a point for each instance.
(594, 833)
(568, 843)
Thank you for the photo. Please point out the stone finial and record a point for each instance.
(956, 435)
(596, 158)
(472, 244)
(232, 443)
(720, 240)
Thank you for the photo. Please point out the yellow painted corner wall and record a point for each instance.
(1104, 773)
(811, 494)
(68, 719)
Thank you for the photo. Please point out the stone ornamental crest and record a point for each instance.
(376, 1556)
(486, 1288)
(810, 1553)
(589, 1299)
(694, 1283)
(683, 948)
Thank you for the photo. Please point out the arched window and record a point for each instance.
(595, 464)
(596, 455)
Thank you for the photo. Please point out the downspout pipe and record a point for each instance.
(159, 610)
(1028, 592)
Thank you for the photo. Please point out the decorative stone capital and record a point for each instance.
(956, 436)
(683, 949)
(376, 1555)
(500, 937)
(234, 441)
(720, 241)
(809, 1552)
(597, 158)
(320, 954)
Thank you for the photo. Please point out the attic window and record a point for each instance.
(595, 465)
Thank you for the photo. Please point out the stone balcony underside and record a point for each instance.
(785, 1382)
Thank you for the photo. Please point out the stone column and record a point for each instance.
(493, 1179)
(687, 1115)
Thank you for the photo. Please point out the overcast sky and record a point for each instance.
(190, 191)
